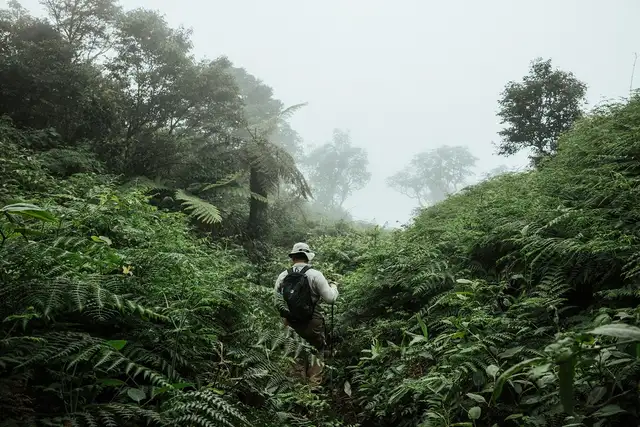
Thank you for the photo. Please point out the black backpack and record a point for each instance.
(296, 292)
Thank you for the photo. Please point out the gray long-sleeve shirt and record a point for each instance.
(320, 287)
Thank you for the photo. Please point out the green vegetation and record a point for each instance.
(147, 200)
(513, 303)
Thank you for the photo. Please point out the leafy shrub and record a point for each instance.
(65, 162)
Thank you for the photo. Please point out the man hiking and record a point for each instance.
(302, 287)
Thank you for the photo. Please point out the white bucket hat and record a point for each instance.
(302, 248)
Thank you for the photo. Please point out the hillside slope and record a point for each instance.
(508, 304)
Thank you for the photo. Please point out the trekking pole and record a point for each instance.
(331, 349)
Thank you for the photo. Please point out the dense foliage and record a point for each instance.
(115, 311)
(513, 303)
(146, 200)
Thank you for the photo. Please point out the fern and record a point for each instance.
(198, 208)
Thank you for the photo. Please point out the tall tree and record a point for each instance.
(537, 110)
(87, 25)
(42, 87)
(337, 169)
(432, 175)
(168, 99)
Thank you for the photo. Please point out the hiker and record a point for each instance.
(302, 287)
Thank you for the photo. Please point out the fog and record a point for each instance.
(408, 76)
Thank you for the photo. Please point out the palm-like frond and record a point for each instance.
(198, 208)
(224, 182)
(272, 163)
(245, 192)
(265, 128)
(276, 165)
(231, 185)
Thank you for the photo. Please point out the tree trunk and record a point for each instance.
(257, 227)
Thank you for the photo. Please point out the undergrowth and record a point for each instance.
(513, 303)
(117, 313)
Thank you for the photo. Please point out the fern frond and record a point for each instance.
(275, 164)
(202, 408)
(145, 184)
(226, 181)
(198, 208)
(265, 128)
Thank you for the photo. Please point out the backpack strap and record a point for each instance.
(305, 269)
(289, 271)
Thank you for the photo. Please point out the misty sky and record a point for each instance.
(408, 75)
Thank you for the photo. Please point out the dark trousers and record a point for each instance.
(313, 332)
